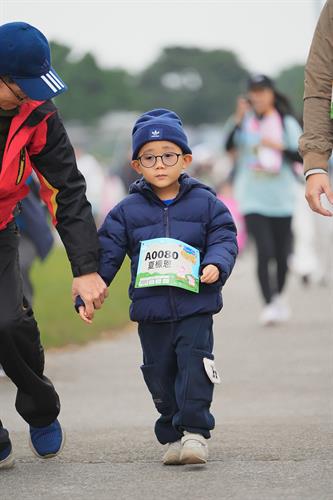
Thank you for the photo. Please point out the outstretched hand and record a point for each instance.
(92, 291)
(316, 185)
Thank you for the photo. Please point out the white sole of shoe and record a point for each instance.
(173, 460)
(188, 457)
(9, 462)
(51, 455)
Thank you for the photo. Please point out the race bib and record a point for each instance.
(263, 159)
(168, 262)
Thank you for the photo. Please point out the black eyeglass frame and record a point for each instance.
(18, 97)
(160, 156)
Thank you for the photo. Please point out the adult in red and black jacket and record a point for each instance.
(32, 137)
(37, 140)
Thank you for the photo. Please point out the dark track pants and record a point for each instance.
(174, 372)
(21, 353)
(273, 240)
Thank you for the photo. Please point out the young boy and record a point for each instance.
(166, 225)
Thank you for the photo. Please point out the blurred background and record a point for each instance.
(122, 58)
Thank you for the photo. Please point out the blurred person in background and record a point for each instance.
(265, 140)
(105, 188)
(94, 176)
(226, 195)
(226, 188)
(113, 192)
(36, 239)
(127, 174)
(317, 141)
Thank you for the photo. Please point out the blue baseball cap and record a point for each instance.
(158, 125)
(25, 57)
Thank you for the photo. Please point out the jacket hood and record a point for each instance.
(186, 184)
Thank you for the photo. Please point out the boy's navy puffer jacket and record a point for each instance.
(196, 217)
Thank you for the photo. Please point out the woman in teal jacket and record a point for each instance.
(265, 139)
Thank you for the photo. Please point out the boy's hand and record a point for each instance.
(84, 316)
(210, 274)
(92, 290)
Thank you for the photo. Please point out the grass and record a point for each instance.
(58, 322)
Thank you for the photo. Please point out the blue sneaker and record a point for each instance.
(6, 452)
(47, 442)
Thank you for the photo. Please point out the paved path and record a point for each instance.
(274, 411)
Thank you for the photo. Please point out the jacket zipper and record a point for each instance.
(21, 168)
(167, 234)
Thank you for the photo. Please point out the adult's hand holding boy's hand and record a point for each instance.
(93, 291)
(210, 274)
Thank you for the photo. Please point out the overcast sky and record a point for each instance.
(268, 35)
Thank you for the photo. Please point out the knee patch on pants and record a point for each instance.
(157, 385)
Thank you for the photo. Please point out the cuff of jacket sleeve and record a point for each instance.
(78, 303)
(223, 275)
(315, 160)
(89, 268)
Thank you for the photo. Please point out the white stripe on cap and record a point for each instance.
(57, 79)
(52, 87)
(53, 80)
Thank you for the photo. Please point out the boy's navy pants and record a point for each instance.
(174, 372)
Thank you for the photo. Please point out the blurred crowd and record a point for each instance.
(252, 162)
(254, 166)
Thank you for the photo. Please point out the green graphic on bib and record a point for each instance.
(168, 262)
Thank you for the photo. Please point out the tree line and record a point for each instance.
(202, 85)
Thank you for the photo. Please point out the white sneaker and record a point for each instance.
(282, 308)
(2, 373)
(194, 449)
(269, 315)
(172, 455)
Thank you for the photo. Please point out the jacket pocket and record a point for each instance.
(199, 386)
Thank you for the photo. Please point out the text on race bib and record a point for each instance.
(168, 262)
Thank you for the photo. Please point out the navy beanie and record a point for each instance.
(158, 125)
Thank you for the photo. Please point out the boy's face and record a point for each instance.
(162, 173)
(11, 96)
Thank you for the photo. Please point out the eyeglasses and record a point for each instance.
(168, 159)
(18, 97)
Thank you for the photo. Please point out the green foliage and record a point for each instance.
(58, 322)
(202, 85)
(93, 91)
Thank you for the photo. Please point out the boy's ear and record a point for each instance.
(136, 166)
(187, 160)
